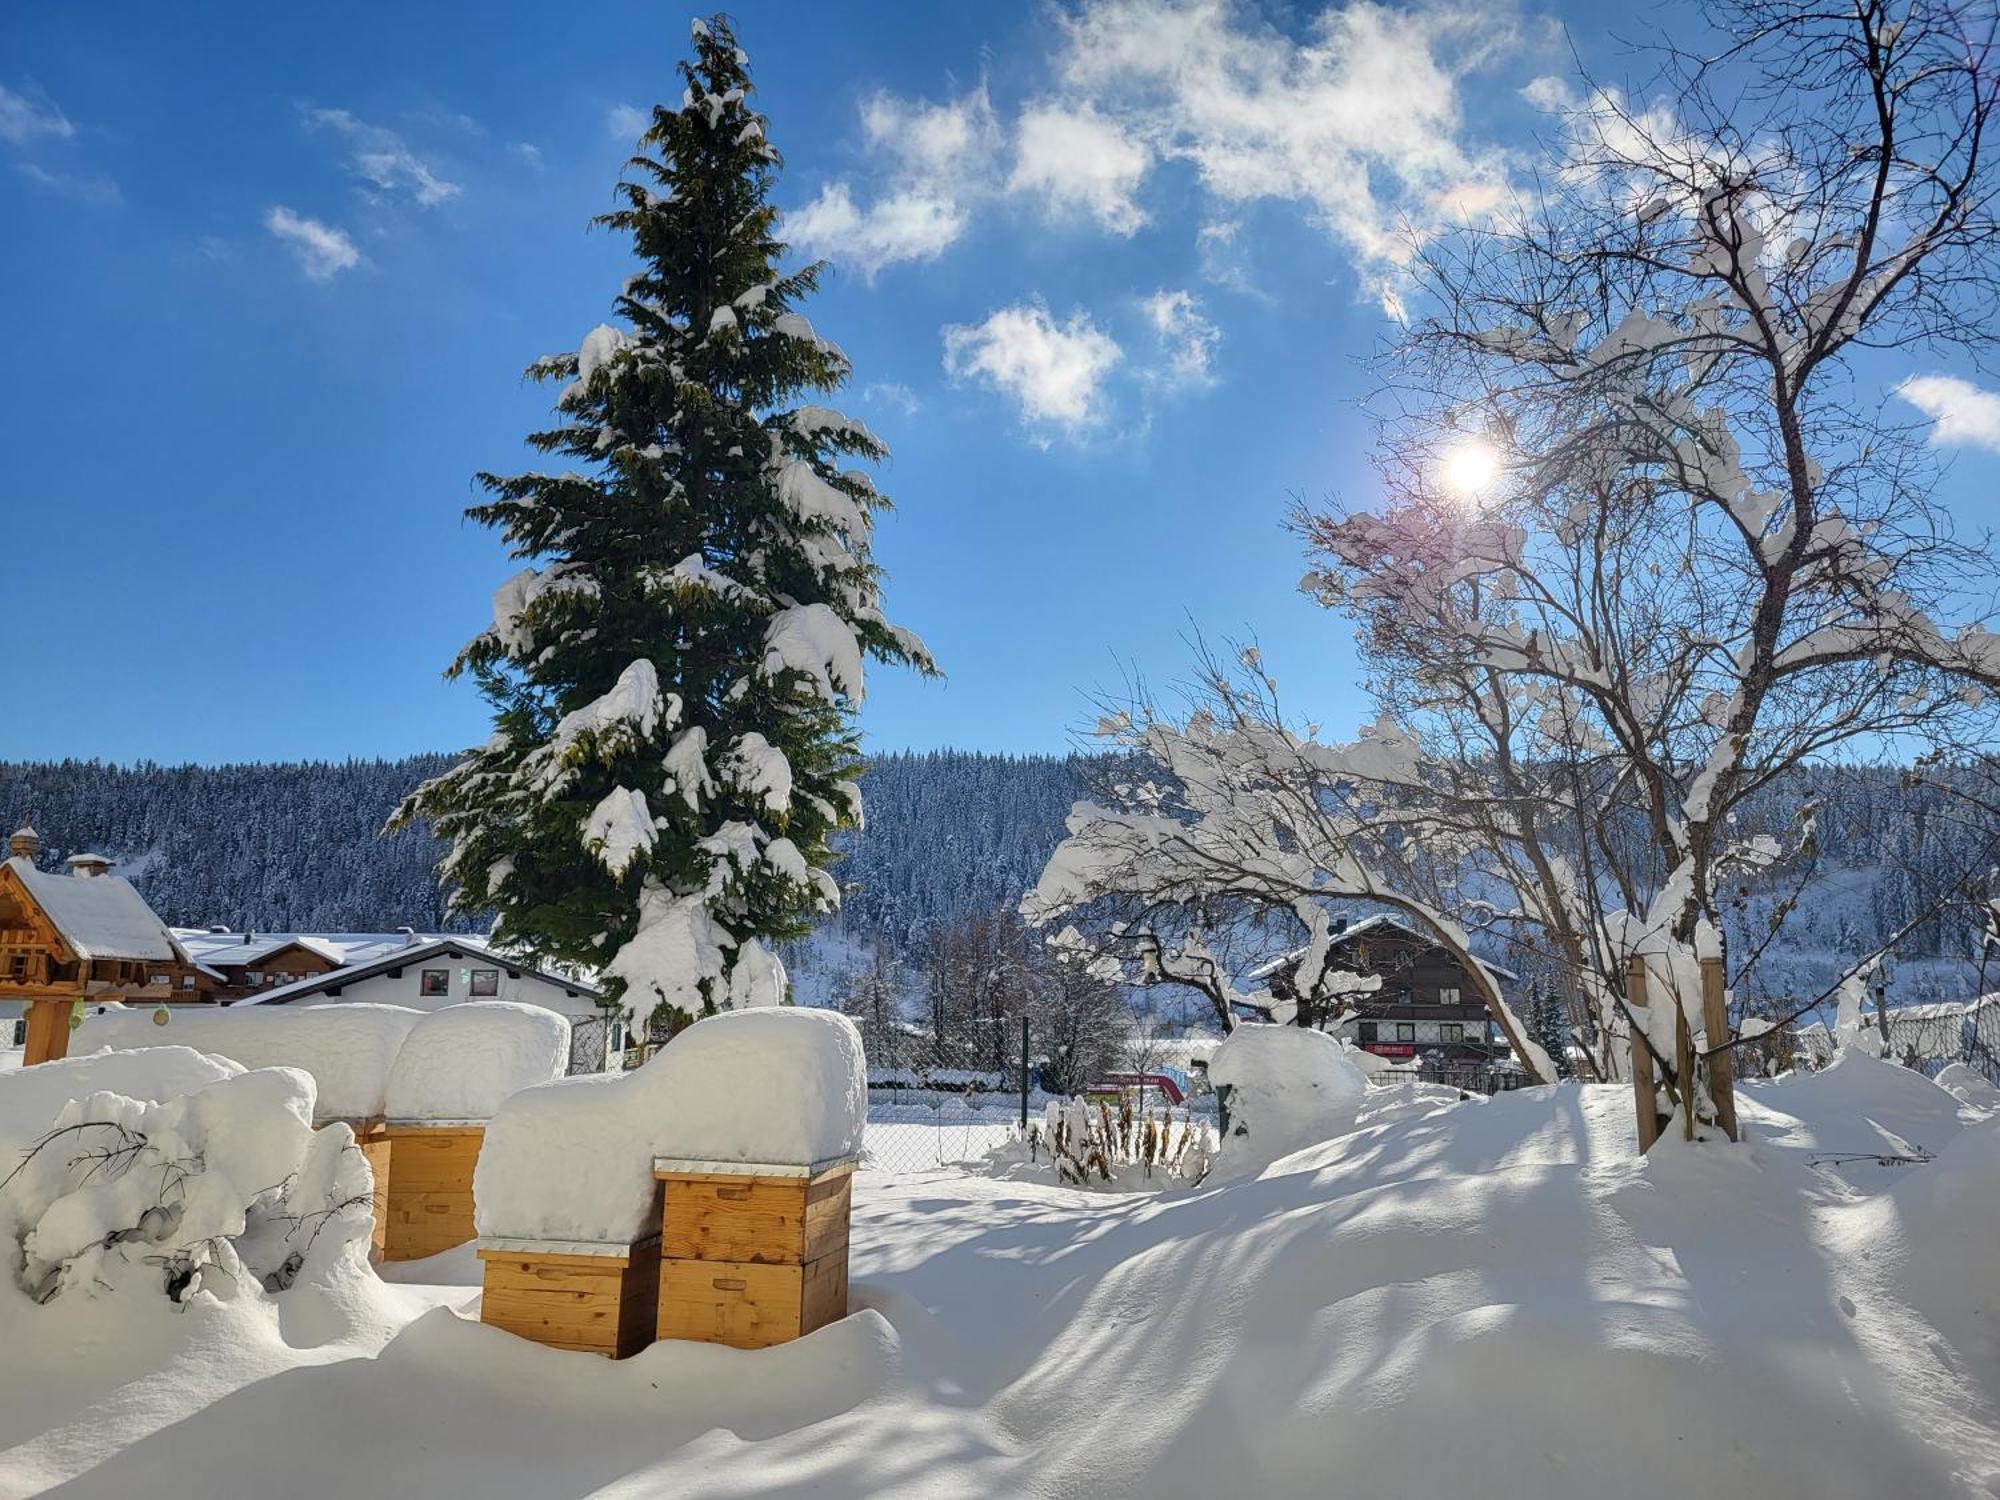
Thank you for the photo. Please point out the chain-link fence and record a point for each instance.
(1927, 1038)
(1930, 1038)
(589, 1043)
(919, 1129)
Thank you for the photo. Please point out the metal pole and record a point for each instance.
(1025, 1075)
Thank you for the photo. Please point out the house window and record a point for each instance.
(1406, 1031)
(485, 981)
(254, 977)
(1448, 997)
(434, 982)
(1367, 1029)
(1453, 1031)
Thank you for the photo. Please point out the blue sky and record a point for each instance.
(1106, 272)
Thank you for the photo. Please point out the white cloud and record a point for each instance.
(383, 158)
(1355, 119)
(1225, 256)
(323, 251)
(907, 226)
(1188, 337)
(23, 120)
(627, 121)
(87, 188)
(1076, 160)
(1963, 412)
(528, 155)
(936, 159)
(1054, 371)
(893, 395)
(1358, 123)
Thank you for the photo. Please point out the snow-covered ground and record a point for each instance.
(1490, 1297)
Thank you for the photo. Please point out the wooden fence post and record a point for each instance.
(1715, 1039)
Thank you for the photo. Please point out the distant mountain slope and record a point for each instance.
(950, 832)
(300, 847)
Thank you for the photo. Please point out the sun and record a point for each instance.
(1468, 468)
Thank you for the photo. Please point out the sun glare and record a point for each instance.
(1468, 468)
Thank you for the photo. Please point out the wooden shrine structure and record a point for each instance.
(87, 935)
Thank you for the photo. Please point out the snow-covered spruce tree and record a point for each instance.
(674, 679)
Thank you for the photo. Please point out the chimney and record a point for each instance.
(248, 938)
(87, 866)
(409, 935)
(25, 844)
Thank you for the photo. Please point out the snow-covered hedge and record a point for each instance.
(347, 1049)
(203, 1178)
(463, 1061)
(573, 1159)
(1289, 1087)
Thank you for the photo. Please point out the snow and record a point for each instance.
(261, 1222)
(463, 1061)
(1491, 1297)
(1968, 1086)
(759, 768)
(30, 1098)
(347, 1049)
(811, 639)
(573, 1159)
(679, 945)
(1289, 1086)
(619, 829)
(600, 346)
(99, 916)
(811, 498)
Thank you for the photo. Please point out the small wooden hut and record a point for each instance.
(87, 935)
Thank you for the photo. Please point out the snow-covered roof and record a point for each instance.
(1354, 929)
(99, 916)
(404, 951)
(236, 949)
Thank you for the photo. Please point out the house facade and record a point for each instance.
(424, 971)
(1428, 1010)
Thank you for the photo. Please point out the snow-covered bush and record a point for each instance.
(573, 1159)
(216, 1189)
(462, 1061)
(347, 1049)
(1289, 1087)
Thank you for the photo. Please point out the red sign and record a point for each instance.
(1390, 1049)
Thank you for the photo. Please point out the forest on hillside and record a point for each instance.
(950, 834)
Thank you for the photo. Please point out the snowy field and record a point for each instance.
(1492, 1297)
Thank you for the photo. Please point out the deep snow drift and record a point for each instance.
(461, 1062)
(1489, 1297)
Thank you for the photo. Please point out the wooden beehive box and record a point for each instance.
(597, 1298)
(429, 1207)
(752, 1254)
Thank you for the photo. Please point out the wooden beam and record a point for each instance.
(48, 1031)
(1715, 1043)
(1684, 1068)
(1645, 1091)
